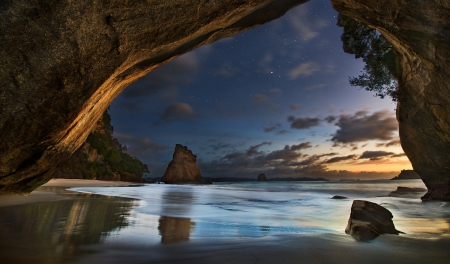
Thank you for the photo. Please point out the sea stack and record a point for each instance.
(369, 220)
(262, 177)
(183, 168)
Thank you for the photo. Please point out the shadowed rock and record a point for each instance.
(262, 177)
(183, 167)
(369, 220)
(407, 192)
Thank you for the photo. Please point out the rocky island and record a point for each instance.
(183, 168)
(262, 177)
(406, 175)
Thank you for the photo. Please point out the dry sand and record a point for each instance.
(52, 191)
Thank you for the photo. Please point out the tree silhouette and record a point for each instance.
(380, 71)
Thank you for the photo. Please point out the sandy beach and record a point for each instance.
(52, 191)
(53, 225)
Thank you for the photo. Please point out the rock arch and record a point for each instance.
(63, 62)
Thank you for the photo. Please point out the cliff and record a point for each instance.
(102, 157)
(420, 32)
(63, 62)
(183, 167)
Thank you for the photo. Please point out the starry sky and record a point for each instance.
(273, 100)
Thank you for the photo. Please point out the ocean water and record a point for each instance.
(175, 213)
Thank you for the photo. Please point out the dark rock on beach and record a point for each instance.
(183, 167)
(262, 177)
(369, 220)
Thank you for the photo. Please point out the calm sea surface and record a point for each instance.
(247, 209)
(155, 214)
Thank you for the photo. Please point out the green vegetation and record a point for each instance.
(111, 162)
(380, 72)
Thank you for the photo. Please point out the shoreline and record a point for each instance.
(136, 244)
(56, 190)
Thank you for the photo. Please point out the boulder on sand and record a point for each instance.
(369, 220)
(183, 167)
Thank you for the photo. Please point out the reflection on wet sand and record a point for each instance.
(171, 228)
(54, 232)
(174, 229)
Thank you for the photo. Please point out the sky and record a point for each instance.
(274, 100)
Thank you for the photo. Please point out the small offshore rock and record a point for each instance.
(338, 197)
(207, 182)
(407, 192)
(262, 177)
(369, 220)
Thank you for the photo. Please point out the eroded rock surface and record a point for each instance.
(183, 167)
(420, 32)
(369, 220)
(63, 62)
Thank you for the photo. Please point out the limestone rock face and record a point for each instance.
(183, 167)
(63, 62)
(262, 177)
(420, 32)
(369, 220)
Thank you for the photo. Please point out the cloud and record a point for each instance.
(270, 129)
(178, 111)
(253, 150)
(141, 147)
(389, 144)
(294, 107)
(306, 25)
(164, 78)
(339, 159)
(263, 101)
(258, 98)
(289, 161)
(220, 145)
(375, 155)
(283, 132)
(361, 126)
(303, 122)
(304, 69)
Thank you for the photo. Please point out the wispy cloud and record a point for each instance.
(303, 122)
(304, 69)
(176, 112)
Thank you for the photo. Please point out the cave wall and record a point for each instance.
(63, 62)
(420, 32)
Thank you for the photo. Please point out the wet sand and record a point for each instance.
(53, 190)
(53, 225)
